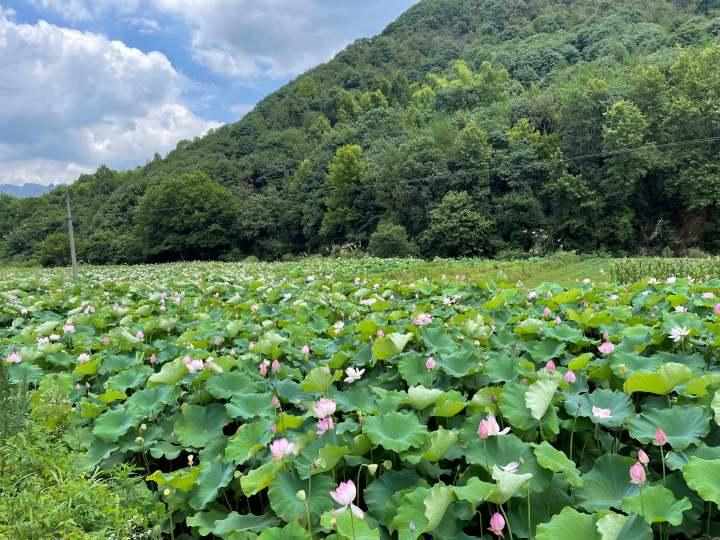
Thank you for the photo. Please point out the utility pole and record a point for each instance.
(71, 235)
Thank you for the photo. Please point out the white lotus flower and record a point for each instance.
(678, 333)
(353, 375)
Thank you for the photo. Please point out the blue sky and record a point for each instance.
(114, 81)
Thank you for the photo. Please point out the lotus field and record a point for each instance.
(321, 400)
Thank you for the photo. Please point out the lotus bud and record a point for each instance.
(372, 468)
(237, 474)
(143, 427)
(139, 441)
(166, 492)
(301, 495)
(191, 460)
(387, 464)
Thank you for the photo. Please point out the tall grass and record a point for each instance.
(631, 270)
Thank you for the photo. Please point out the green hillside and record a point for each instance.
(468, 127)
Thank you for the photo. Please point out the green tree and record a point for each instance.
(458, 229)
(187, 217)
(390, 240)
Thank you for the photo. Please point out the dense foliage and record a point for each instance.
(481, 127)
(457, 409)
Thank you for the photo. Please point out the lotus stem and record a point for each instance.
(507, 521)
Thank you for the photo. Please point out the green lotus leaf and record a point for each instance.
(542, 351)
(212, 478)
(318, 380)
(565, 333)
(112, 395)
(251, 406)
(420, 397)
(703, 477)
(715, 405)
(283, 496)
(567, 524)
(635, 528)
(196, 426)
(539, 397)
(227, 385)
(437, 340)
(475, 491)
(683, 425)
(395, 431)
(657, 504)
(260, 478)
(390, 345)
(348, 527)
(439, 442)
(113, 424)
(449, 404)
(379, 491)
(235, 523)
(661, 382)
(460, 363)
(170, 373)
(412, 368)
(436, 504)
(204, 522)
(501, 368)
(293, 531)
(556, 461)
(513, 407)
(579, 362)
(248, 440)
(132, 378)
(411, 510)
(507, 484)
(610, 525)
(621, 408)
(182, 479)
(149, 402)
(607, 484)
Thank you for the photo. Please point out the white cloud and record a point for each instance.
(85, 10)
(75, 100)
(144, 25)
(276, 38)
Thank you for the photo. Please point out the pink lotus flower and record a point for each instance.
(344, 495)
(140, 334)
(422, 319)
(83, 358)
(601, 414)
(716, 309)
(637, 474)
(324, 408)
(13, 358)
(193, 366)
(264, 365)
(643, 457)
(606, 348)
(497, 524)
(275, 402)
(275, 366)
(218, 341)
(558, 320)
(430, 363)
(305, 349)
(511, 467)
(106, 341)
(251, 346)
(547, 311)
(324, 424)
(281, 448)
(153, 359)
(550, 366)
(660, 437)
(489, 428)
(380, 333)
(69, 328)
(570, 377)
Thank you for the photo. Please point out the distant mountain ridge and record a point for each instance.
(26, 190)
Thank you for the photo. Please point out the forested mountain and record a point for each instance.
(468, 127)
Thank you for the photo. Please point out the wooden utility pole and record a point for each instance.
(71, 235)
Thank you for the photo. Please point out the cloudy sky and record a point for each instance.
(86, 82)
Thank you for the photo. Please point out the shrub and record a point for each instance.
(252, 259)
(390, 240)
